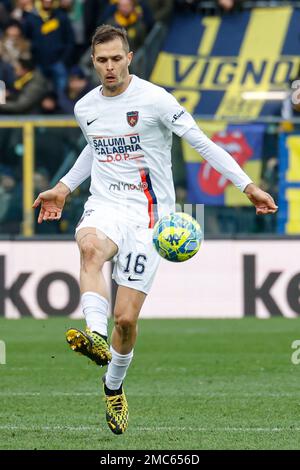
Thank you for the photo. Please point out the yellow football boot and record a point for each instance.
(90, 344)
(116, 409)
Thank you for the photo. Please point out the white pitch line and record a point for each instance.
(199, 394)
(52, 394)
(56, 428)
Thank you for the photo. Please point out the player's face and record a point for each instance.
(111, 62)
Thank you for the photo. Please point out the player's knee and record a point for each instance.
(124, 321)
(90, 253)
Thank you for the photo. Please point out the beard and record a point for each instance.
(114, 86)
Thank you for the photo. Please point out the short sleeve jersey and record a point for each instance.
(131, 136)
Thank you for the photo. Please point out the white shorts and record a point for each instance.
(137, 261)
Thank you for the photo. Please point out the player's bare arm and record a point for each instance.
(52, 202)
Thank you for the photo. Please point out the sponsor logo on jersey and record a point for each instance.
(122, 186)
(91, 122)
(132, 118)
(177, 116)
(117, 149)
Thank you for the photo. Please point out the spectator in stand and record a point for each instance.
(22, 8)
(269, 176)
(93, 15)
(4, 15)
(228, 6)
(295, 98)
(11, 201)
(161, 9)
(129, 16)
(88, 69)
(141, 6)
(78, 86)
(6, 182)
(74, 9)
(7, 74)
(5, 7)
(13, 45)
(41, 180)
(187, 5)
(49, 104)
(52, 39)
(29, 87)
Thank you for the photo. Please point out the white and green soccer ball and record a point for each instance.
(177, 237)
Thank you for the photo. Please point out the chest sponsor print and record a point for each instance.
(117, 148)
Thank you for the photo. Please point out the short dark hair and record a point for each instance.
(13, 22)
(106, 33)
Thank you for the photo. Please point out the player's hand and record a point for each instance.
(52, 203)
(263, 202)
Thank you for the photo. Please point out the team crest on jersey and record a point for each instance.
(132, 118)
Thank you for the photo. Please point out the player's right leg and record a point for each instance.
(128, 305)
(95, 249)
(134, 272)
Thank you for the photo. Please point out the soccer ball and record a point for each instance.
(177, 237)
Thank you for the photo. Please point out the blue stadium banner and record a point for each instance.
(208, 63)
(244, 142)
(289, 184)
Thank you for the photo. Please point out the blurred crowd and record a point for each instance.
(45, 47)
(217, 7)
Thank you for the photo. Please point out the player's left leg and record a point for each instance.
(127, 308)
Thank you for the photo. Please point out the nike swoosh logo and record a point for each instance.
(130, 279)
(91, 122)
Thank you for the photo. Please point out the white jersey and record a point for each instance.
(131, 136)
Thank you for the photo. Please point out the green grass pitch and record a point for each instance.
(193, 384)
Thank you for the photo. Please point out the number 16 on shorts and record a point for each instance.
(135, 266)
(137, 270)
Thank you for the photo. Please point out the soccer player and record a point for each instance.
(128, 124)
